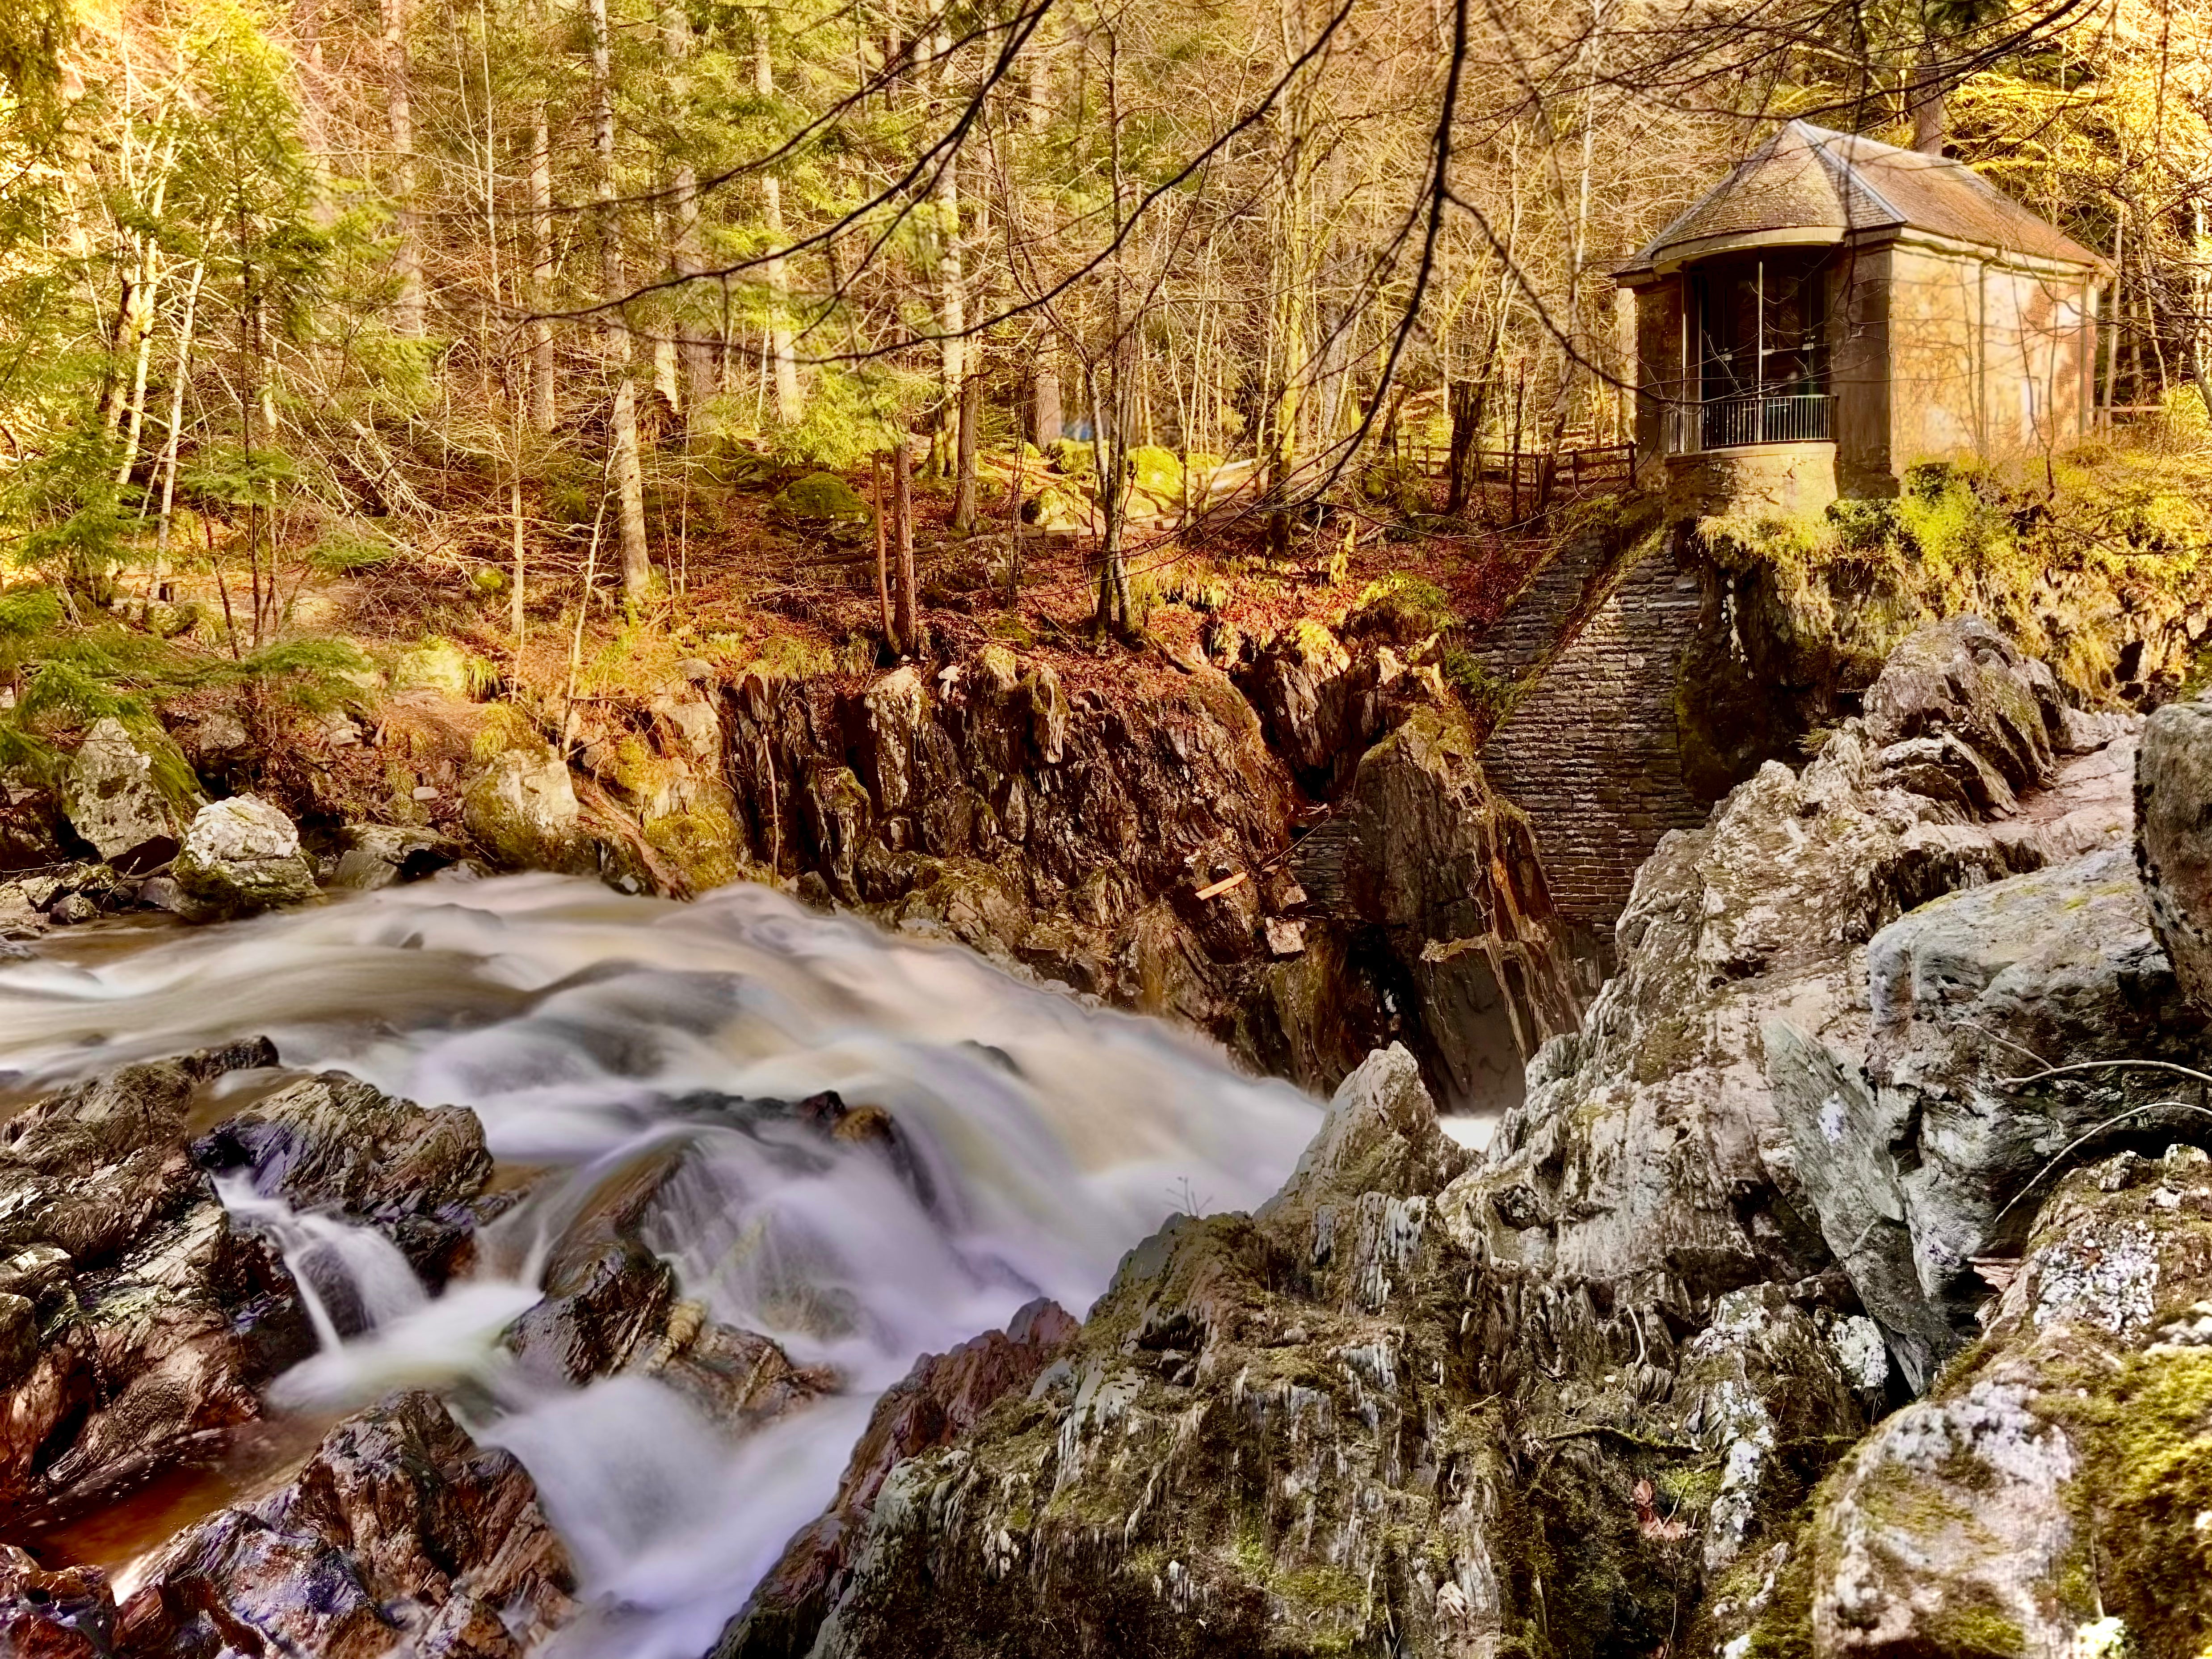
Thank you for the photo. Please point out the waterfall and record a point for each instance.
(1038, 1137)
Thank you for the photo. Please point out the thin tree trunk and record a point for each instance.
(1045, 418)
(1927, 96)
(972, 422)
(629, 479)
(176, 424)
(544, 368)
(695, 346)
(951, 280)
(1014, 531)
(790, 401)
(408, 311)
(902, 490)
(1110, 435)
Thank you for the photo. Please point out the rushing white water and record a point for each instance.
(589, 1030)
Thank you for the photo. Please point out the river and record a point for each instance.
(582, 1027)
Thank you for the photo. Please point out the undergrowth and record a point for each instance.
(2071, 559)
(64, 675)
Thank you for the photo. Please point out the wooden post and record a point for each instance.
(1014, 527)
(882, 557)
(902, 492)
(1513, 465)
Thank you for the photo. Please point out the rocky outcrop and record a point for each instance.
(332, 1144)
(942, 1398)
(1578, 1397)
(135, 1322)
(1439, 877)
(129, 794)
(240, 857)
(1137, 848)
(2173, 838)
(2046, 1500)
(1223, 1460)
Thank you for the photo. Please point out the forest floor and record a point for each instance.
(738, 589)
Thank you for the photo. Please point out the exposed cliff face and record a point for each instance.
(1143, 850)
(1579, 1398)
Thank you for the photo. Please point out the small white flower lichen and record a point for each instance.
(1860, 1352)
(2107, 1276)
(2105, 1639)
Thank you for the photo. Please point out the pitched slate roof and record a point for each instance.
(1807, 178)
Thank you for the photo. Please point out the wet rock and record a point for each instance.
(334, 1144)
(129, 794)
(376, 855)
(67, 1614)
(608, 1297)
(400, 1534)
(735, 1379)
(155, 1321)
(241, 856)
(522, 810)
(2174, 837)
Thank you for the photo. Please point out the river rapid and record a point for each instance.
(583, 1028)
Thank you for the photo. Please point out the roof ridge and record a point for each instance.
(1852, 178)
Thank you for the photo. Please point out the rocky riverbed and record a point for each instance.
(1843, 1285)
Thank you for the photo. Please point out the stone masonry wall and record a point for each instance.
(1591, 751)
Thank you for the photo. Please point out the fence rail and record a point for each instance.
(1530, 469)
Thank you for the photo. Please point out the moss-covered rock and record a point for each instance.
(2055, 1479)
(522, 811)
(240, 857)
(821, 497)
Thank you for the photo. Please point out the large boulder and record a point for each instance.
(1962, 679)
(522, 810)
(2173, 838)
(240, 857)
(128, 793)
(2048, 1499)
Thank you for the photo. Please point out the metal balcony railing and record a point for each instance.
(1799, 417)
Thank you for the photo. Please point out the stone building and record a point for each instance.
(1833, 312)
(1836, 310)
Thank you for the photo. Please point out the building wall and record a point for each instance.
(1764, 481)
(1858, 369)
(1658, 362)
(2037, 338)
(1987, 359)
